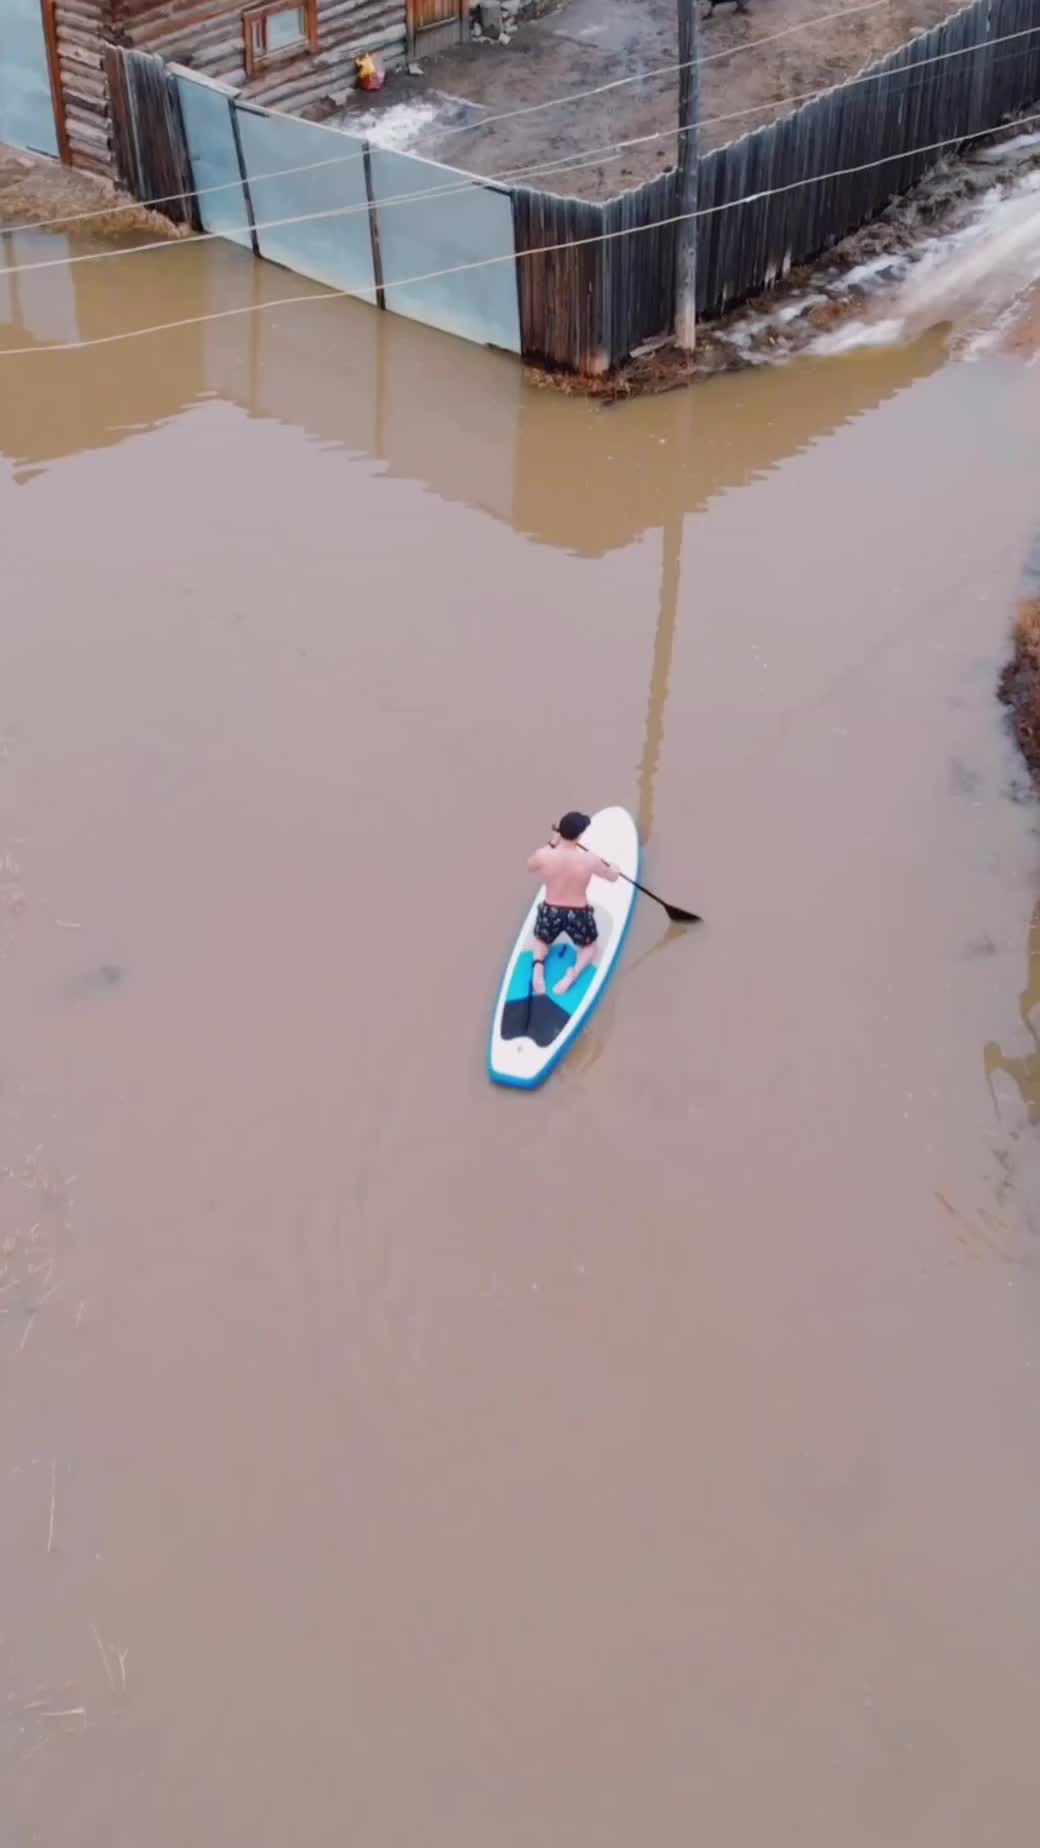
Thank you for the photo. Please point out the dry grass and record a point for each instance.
(1023, 337)
(1027, 628)
(665, 370)
(1020, 683)
(37, 191)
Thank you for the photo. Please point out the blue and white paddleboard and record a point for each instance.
(530, 1033)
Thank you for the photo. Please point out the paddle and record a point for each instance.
(675, 912)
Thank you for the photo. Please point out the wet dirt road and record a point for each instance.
(393, 1461)
(793, 47)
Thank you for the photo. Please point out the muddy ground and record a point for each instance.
(1020, 683)
(583, 43)
(849, 282)
(34, 190)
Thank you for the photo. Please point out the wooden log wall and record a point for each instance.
(80, 30)
(584, 315)
(150, 150)
(210, 39)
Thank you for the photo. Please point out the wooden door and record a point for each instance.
(433, 25)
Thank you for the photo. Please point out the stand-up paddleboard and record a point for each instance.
(530, 1033)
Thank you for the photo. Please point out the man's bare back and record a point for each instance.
(566, 867)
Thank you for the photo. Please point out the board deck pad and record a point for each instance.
(530, 1032)
(542, 1017)
(536, 1018)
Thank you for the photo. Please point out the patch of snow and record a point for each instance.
(398, 127)
(791, 310)
(1005, 150)
(860, 334)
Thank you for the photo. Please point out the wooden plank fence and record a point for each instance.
(148, 141)
(586, 316)
(594, 280)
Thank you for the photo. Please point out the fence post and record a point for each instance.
(247, 195)
(373, 225)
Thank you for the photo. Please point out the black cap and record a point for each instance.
(574, 824)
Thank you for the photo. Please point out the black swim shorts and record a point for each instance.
(578, 921)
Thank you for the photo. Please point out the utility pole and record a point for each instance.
(686, 176)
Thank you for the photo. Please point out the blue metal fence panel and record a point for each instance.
(208, 129)
(311, 210)
(312, 218)
(26, 104)
(433, 218)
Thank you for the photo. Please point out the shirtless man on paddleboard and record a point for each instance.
(566, 868)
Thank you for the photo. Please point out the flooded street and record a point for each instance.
(387, 1459)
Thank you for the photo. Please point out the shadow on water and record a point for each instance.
(672, 933)
(100, 980)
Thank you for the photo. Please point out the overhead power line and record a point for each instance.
(466, 128)
(562, 164)
(457, 269)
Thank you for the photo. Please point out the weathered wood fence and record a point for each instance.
(584, 308)
(593, 281)
(149, 149)
(608, 271)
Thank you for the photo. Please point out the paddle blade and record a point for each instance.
(679, 916)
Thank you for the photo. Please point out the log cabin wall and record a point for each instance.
(80, 29)
(217, 41)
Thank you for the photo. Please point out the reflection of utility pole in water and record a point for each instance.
(256, 334)
(664, 642)
(675, 490)
(1025, 1072)
(379, 405)
(10, 263)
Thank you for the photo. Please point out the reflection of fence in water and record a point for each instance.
(42, 302)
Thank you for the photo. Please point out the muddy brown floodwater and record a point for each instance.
(389, 1460)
